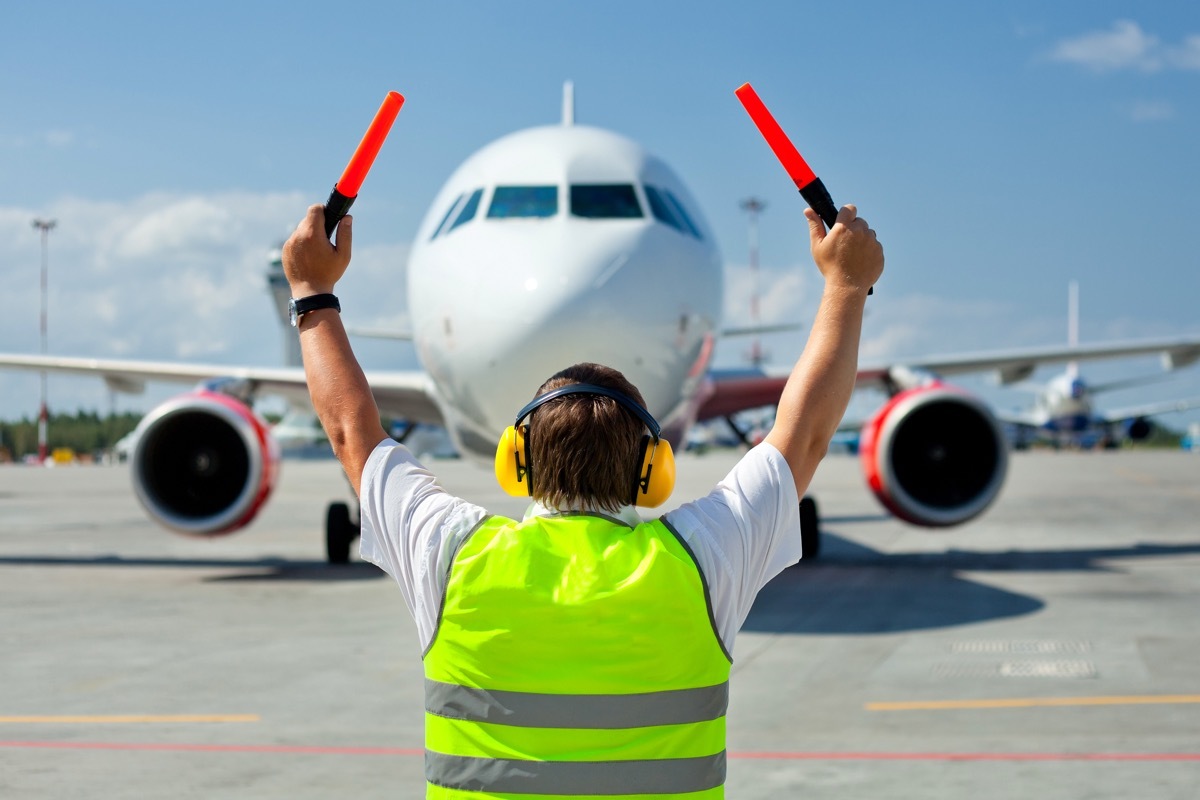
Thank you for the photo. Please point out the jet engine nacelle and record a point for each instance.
(934, 456)
(204, 463)
(1139, 429)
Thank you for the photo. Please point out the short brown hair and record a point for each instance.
(584, 448)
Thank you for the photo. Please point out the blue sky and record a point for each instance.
(1000, 150)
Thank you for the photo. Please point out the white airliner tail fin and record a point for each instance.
(568, 108)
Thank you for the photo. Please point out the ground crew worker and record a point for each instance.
(582, 651)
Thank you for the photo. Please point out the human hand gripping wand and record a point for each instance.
(345, 191)
(811, 188)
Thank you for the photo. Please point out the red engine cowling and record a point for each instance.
(934, 456)
(204, 463)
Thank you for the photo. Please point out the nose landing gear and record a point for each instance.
(340, 532)
(810, 529)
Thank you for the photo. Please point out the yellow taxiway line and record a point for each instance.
(1035, 702)
(109, 719)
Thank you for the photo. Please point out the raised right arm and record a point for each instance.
(819, 388)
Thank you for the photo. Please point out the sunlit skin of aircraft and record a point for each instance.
(550, 246)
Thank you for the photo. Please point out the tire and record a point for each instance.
(810, 529)
(340, 533)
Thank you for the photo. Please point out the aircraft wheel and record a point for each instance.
(810, 529)
(340, 533)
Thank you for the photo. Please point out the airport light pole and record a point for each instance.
(44, 226)
(753, 206)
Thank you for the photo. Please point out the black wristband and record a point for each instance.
(299, 307)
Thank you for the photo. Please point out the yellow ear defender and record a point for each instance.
(655, 479)
(512, 460)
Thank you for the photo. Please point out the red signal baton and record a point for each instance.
(811, 188)
(345, 191)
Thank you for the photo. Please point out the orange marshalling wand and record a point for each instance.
(811, 188)
(346, 189)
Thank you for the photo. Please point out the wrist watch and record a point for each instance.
(297, 308)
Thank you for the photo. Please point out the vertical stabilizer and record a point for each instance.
(568, 111)
(1073, 323)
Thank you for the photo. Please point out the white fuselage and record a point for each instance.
(1065, 405)
(572, 244)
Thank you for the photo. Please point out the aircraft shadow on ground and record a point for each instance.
(247, 570)
(854, 589)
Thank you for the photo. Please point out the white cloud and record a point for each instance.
(1186, 55)
(781, 292)
(52, 138)
(188, 224)
(1151, 111)
(164, 277)
(59, 138)
(1127, 47)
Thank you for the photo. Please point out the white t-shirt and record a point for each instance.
(742, 533)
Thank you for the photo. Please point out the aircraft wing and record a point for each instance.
(405, 394)
(390, 334)
(1018, 418)
(1149, 410)
(1016, 365)
(733, 390)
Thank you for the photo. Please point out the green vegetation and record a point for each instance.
(85, 432)
(1160, 436)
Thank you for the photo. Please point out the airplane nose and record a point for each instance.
(607, 301)
(622, 293)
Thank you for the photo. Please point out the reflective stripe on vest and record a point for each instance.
(663, 776)
(575, 655)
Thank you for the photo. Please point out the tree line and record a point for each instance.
(85, 432)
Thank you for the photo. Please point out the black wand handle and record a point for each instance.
(335, 208)
(818, 199)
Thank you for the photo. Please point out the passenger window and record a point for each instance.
(605, 201)
(468, 210)
(661, 211)
(683, 215)
(449, 211)
(523, 201)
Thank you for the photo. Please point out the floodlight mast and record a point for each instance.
(753, 206)
(44, 226)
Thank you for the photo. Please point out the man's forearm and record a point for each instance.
(821, 383)
(340, 393)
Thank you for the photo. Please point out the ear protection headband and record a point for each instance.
(655, 478)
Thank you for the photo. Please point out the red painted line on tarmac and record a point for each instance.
(969, 756)
(219, 748)
(763, 756)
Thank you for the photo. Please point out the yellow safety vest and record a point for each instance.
(576, 657)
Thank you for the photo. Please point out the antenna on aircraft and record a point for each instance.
(568, 104)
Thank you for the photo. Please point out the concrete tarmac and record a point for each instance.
(1048, 649)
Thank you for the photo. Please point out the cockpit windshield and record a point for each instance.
(523, 201)
(445, 219)
(468, 210)
(605, 201)
(661, 211)
(667, 209)
(683, 215)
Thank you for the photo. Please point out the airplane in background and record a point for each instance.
(1064, 412)
(551, 246)
(1064, 415)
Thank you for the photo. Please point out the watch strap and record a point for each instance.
(314, 302)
